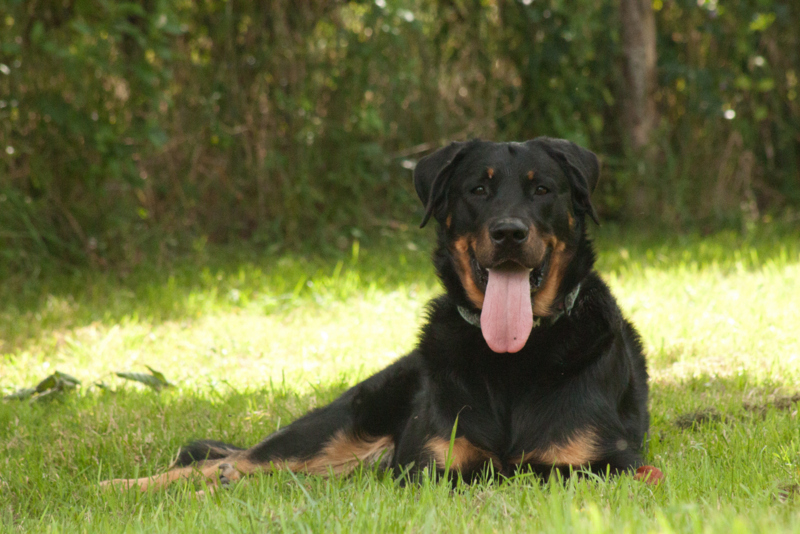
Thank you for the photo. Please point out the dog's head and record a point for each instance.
(511, 228)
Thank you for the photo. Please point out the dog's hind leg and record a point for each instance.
(208, 471)
(362, 425)
(200, 460)
(204, 450)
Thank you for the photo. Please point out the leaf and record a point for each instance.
(48, 383)
(59, 381)
(762, 21)
(159, 375)
(56, 383)
(21, 394)
(766, 85)
(155, 380)
(68, 378)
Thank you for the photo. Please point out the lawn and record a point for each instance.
(252, 340)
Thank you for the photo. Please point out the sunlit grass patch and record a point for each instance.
(252, 342)
(718, 306)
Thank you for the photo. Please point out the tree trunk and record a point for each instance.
(639, 67)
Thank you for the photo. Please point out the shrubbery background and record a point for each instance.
(132, 128)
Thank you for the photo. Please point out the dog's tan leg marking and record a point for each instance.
(206, 470)
(465, 455)
(579, 449)
(460, 251)
(212, 471)
(559, 259)
(342, 454)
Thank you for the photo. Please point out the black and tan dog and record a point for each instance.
(526, 354)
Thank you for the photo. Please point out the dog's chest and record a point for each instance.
(533, 429)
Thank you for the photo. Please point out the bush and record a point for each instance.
(134, 127)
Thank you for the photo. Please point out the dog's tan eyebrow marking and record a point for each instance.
(490, 172)
(530, 175)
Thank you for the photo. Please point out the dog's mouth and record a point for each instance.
(507, 313)
(536, 274)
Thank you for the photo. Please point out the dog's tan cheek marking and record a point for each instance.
(464, 455)
(483, 247)
(449, 221)
(580, 449)
(571, 220)
(342, 454)
(460, 251)
(543, 299)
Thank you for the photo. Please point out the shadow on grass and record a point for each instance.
(101, 434)
(219, 279)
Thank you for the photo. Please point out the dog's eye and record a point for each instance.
(541, 190)
(480, 191)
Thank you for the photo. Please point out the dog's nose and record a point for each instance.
(508, 231)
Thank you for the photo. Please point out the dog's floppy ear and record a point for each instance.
(580, 165)
(432, 175)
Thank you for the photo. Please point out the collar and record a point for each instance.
(474, 318)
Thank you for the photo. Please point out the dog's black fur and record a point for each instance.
(575, 396)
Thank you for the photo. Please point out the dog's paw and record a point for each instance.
(649, 475)
(228, 473)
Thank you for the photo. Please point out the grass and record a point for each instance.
(253, 341)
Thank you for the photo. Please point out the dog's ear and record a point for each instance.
(581, 167)
(432, 176)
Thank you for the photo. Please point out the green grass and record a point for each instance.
(253, 341)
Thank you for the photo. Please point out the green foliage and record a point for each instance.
(730, 102)
(80, 109)
(137, 129)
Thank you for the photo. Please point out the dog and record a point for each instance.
(525, 364)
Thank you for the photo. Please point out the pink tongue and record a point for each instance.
(507, 317)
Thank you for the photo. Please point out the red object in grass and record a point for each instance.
(649, 474)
